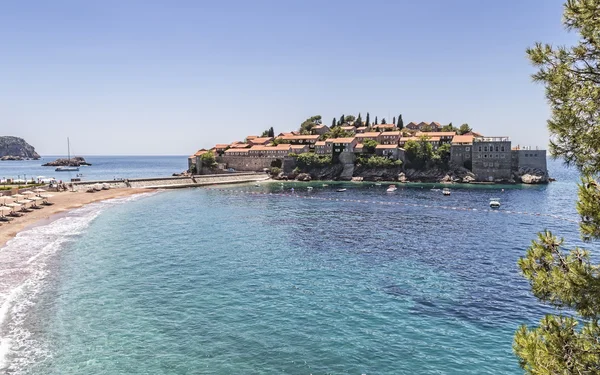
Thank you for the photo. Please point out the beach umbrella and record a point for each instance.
(6, 198)
(36, 198)
(39, 190)
(28, 193)
(5, 209)
(46, 195)
(18, 196)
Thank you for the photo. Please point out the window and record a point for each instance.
(479, 148)
(468, 156)
(502, 156)
(535, 155)
(485, 148)
(496, 155)
(496, 148)
(526, 155)
(485, 155)
(467, 148)
(502, 148)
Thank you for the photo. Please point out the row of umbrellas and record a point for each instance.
(10, 202)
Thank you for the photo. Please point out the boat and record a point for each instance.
(67, 168)
(341, 190)
(391, 188)
(378, 184)
(495, 202)
(324, 185)
(309, 188)
(446, 191)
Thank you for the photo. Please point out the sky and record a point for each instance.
(170, 77)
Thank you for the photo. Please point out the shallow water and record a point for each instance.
(219, 281)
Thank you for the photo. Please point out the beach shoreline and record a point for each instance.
(63, 202)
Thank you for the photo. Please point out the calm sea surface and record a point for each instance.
(103, 167)
(219, 281)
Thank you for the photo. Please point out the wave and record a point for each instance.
(24, 272)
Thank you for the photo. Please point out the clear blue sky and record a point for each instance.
(169, 77)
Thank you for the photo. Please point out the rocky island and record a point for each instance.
(15, 148)
(353, 149)
(75, 161)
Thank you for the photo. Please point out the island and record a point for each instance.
(353, 149)
(15, 148)
(75, 161)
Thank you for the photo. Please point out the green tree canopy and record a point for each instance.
(333, 123)
(336, 132)
(358, 122)
(271, 132)
(208, 160)
(464, 129)
(419, 153)
(568, 343)
(349, 118)
(342, 120)
(369, 146)
(383, 122)
(309, 123)
(400, 122)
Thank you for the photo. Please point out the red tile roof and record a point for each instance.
(280, 147)
(386, 146)
(368, 135)
(462, 139)
(340, 140)
(298, 137)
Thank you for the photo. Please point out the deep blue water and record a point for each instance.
(219, 281)
(103, 167)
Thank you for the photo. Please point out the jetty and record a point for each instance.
(175, 182)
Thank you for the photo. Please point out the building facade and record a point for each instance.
(491, 158)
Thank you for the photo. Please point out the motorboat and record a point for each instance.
(446, 191)
(391, 188)
(309, 188)
(378, 184)
(495, 202)
(341, 190)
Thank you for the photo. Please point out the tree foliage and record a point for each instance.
(464, 129)
(310, 160)
(336, 132)
(400, 122)
(375, 123)
(333, 123)
(349, 118)
(449, 128)
(342, 120)
(208, 160)
(375, 161)
(568, 343)
(367, 120)
(419, 153)
(369, 146)
(309, 123)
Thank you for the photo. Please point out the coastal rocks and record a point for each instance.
(468, 179)
(303, 177)
(402, 177)
(15, 148)
(73, 162)
(377, 174)
(531, 176)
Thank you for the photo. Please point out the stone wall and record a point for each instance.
(531, 159)
(459, 154)
(245, 163)
(492, 160)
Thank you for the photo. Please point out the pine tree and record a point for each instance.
(367, 121)
(383, 122)
(400, 122)
(376, 121)
(569, 342)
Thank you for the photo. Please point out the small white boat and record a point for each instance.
(446, 191)
(340, 190)
(495, 202)
(378, 184)
(391, 188)
(325, 185)
(309, 188)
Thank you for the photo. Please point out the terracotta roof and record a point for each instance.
(348, 127)
(391, 133)
(463, 139)
(384, 126)
(368, 134)
(320, 143)
(386, 146)
(412, 123)
(251, 137)
(437, 134)
(340, 140)
(416, 139)
(319, 126)
(435, 123)
(294, 147)
(221, 146)
(280, 147)
(244, 150)
(298, 137)
(239, 145)
(260, 140)
(360, 145)
(361, 128)
(200, 152)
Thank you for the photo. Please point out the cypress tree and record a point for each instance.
(358, 121)
(342, 120)
(376, 121)
(367, 121)
(383, 122)
(333, 123)
(271, 132)
(394, 121)
(400, 122)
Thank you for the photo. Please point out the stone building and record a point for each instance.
(491, 158)
(460, 150)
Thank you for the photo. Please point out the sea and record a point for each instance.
(277, 278)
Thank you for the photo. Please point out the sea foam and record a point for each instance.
(23, 272)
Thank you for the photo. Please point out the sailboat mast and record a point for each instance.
(69, 150)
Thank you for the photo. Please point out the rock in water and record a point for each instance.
(74, 162)
(15, 148)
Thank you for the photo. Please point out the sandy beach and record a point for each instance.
(63, 201)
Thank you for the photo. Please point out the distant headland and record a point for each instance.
(353, 149)
(15, 148)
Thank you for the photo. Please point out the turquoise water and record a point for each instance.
(219, 281)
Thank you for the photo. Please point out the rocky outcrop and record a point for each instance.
(531, 176)
(378, 174)
(73, 162)
(14, 148)
(303, 177)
